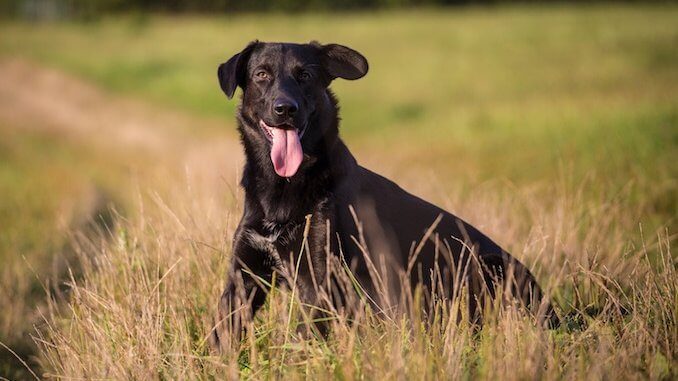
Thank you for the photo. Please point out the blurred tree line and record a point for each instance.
(53, 9)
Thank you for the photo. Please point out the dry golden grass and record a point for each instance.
(143, 303)
(552, 129)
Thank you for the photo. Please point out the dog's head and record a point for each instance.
(284, 87)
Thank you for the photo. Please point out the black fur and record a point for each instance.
(327, 185)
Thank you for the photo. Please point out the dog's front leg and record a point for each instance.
(246, 289)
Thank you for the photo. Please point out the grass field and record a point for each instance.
(553, 129)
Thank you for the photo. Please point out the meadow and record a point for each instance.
(553, 129)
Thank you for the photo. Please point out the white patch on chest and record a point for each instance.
(264, 243)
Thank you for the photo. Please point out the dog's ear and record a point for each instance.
(232, 72)
(343, 62)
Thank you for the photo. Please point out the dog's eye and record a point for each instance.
(261, 74)
(304, 76)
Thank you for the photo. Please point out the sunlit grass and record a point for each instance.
(144, 305)
(553, 129)
(48, 190)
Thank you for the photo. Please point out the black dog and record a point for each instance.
(303, 187)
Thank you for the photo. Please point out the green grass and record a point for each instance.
(31, 236)
(554, 127)
(48, 191)
(46, 179)
(508, 92)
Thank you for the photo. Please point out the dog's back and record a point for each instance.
(425, 242)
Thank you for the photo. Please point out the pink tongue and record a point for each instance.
(286, 152)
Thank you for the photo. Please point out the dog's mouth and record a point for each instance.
(268, 129)
(286, 151)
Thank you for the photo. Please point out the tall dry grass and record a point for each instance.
(142, 301)
(598, 95)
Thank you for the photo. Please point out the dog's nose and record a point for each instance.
(285, 107)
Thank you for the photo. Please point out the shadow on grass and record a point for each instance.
(19, 360)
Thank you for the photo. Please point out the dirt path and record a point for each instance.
(50, 101)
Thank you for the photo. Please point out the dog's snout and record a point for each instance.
(285, 107)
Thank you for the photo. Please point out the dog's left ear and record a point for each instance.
(232, 73)
(343, 62)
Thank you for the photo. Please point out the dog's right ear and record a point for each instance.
(232, 72)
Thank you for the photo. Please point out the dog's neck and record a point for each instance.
(275, 200)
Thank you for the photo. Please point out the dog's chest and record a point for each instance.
(275, 240)
(281, 235)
